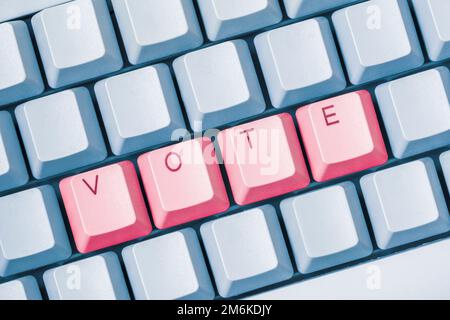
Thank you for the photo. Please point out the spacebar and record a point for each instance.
(420, 273)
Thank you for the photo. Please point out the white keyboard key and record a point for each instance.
(377, 39)
(434, 21)
(96, 278)
(20, 77)
(219, 85)
(420, 273)
(11, 9)
(301, 8)
(13, 172)
(76, 41)
(326, 227)
(32, 232)
(21, 289)
(416, 111)
(300, 62)
(246, 251)
(153, 29)
(168, 267)
(140, 108)
(405, 203)
(60, 132)
(227, 18)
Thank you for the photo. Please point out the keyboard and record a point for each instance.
(224, 149)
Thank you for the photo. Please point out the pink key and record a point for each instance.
(341, 135)
(105, 207)
(263, 159)
(183, 182)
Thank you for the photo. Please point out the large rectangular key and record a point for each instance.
(420, 273)
(434, 20)
(377, 39)
(11, 9)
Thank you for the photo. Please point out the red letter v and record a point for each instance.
(93, 190)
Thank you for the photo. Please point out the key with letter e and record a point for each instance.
(341, 135)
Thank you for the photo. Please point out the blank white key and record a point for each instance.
(13, 172)
(76, 41)
(246, 251)
(154, 29)
(420, 273)
(11, 9)
(219, 85)
(20, 77)
(434, 21)
(326, 227)
(416, 111)
(377, 39)
(168, 267)
(301, 8)
(140, 108)
(300, 62)
(96, 278)
(60, 132)
(32, 232)
(405, 203)
(226, 18)
(25, 288)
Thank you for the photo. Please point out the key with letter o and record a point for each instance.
(183, 182)
(341, 135)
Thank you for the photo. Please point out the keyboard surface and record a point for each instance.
(223, 149)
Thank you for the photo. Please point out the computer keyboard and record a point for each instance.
(222, 149)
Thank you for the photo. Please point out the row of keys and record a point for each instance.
(363, 30)
(247, 251)
(10, 9)
(148, 114)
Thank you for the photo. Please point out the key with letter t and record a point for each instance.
(263, 159)
(341, 135)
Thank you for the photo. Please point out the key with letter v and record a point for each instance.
(105, 207)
